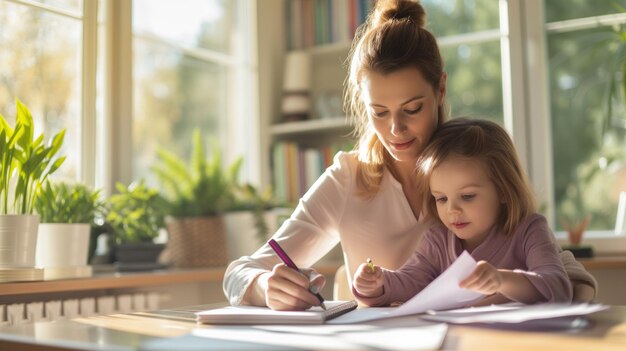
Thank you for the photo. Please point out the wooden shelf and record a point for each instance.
(129, 280)
(114, 281)
(604, 262)
(310, 126)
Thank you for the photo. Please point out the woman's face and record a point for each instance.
(403, 109)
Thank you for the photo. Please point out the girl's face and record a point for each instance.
(467, 200)
(403, 109)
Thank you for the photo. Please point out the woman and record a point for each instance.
(366, 200)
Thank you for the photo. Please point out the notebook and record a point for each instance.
(264, 315)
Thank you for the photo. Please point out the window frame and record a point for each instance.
(532, 130)
(89, 52)
(116, 160)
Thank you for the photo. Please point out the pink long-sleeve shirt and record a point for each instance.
(531, 250)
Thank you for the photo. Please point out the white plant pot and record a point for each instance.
(62, 245)
(241, 235)
(18, 240)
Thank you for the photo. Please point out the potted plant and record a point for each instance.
(26, 164)
(135, 214)
(251, 219)
(575, 231)
(67, 212)
(197, 193)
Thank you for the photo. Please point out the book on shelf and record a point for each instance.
(264, 315)
(296, 168)
(320, 22)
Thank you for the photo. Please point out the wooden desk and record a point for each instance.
(607, 331)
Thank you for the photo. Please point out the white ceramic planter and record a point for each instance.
(62, 245)
(241, 235)
(18, 240)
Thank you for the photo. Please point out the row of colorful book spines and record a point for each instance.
(296, 169)
(319, 22)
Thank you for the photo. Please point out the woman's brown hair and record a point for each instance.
(393, 38)
(488, 143)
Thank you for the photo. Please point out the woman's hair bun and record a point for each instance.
(386, 10)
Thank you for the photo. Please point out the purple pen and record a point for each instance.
(287, 260)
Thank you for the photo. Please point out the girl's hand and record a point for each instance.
(368, 283)
(288, 289)
(485, 279)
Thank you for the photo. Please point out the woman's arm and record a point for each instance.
(584, 285)
(306, 236)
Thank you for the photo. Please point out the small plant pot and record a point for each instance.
(138, 256)
(196, 242)
(18, 240)
(62, 245)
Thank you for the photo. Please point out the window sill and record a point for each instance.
(604, 243)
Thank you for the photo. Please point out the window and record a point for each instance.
(42, 49)
(588, 144)
(471, 54)
(125, 76)
(187, 58)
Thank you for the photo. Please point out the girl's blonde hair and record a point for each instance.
(489, 144)
(393, 38)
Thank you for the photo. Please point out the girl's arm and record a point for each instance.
(422, 268)
(512, 285)
(543, 279)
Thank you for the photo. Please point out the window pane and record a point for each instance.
(173, 94)
(474, 80)
(559, 10)
(588, 167)
(40, 64)
(445, 17)
(72, 5)
(194, 23)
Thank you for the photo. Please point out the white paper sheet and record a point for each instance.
(421, 336)
(513, 313)
(442, 293)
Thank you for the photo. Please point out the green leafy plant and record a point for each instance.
(68, 203)
(199, 188)
(136, 214)
(26, 162)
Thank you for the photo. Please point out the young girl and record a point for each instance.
(478, 193)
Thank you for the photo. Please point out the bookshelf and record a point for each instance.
(312, 126)
(302, 150)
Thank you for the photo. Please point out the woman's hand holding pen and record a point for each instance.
(368, 280)
(288, 289)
